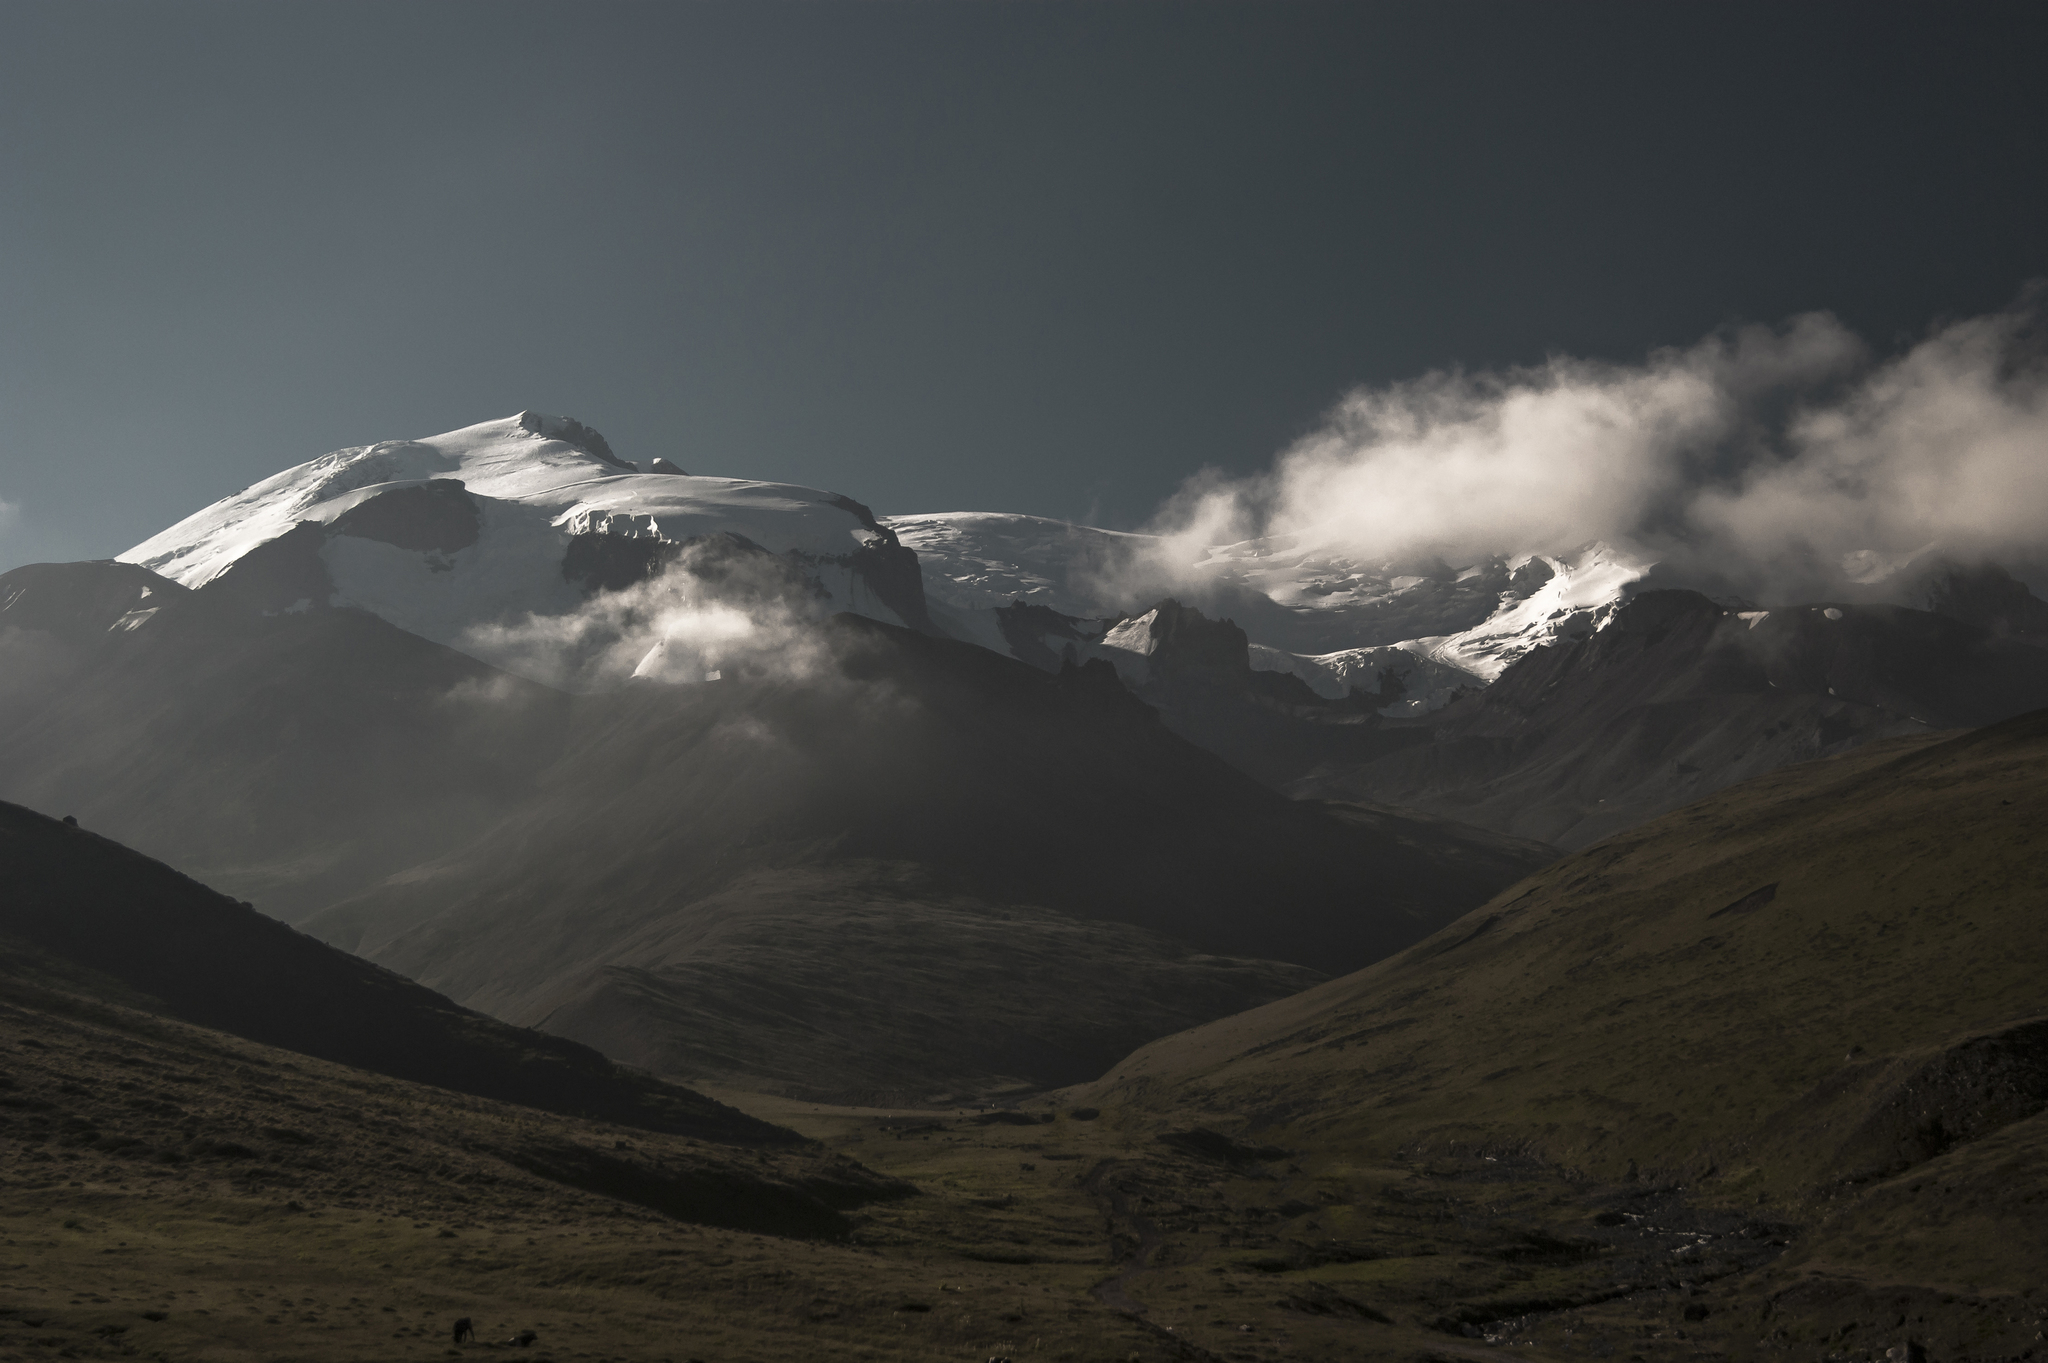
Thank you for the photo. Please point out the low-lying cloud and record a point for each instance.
(1776, 459)
(714, 612)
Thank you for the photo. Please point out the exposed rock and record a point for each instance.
(1530, 576)
(435, 516)
(1026, 626)
(1986, 596)
(1923, 1105)
(599, 562)
(573, 432)
(1190, 649)
(80, 602)
(1679, 697)
(284, 575)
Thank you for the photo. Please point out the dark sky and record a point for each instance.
(1021, 257)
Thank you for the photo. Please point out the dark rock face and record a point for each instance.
(574, 432)
(212, 961)
(890, 571)
(598, 561)
(1530, 576)
(610, 563)
(1026, 627)
(278, 576)
(438, 516)
(1964, 1092)
(79, 602)
(1679, 697)
(1986, 596)
(1270, 725)
(1190, 649)
(661, 465)
(1097, 682)
(725, 566)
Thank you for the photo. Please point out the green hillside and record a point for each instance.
(1815, 999)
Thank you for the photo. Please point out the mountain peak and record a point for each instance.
(570, 431)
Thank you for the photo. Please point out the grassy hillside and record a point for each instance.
(175, 1193)
(82, 911)
(1808, 1010)
(935, 871)
(1679, 697)
(1713, 990)
(1281, 1186)
(925, 869)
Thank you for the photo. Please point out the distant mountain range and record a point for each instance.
(739, 780)
(1379, 956)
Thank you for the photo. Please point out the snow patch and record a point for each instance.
(536, 481)
(1134, 635)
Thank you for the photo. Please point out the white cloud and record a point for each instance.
(715, 609)
(1763, 454)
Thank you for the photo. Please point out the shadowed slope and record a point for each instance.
(1684, 995)
(1806, 1009)
(1679, 697)
(82, 901)
(930, 864)
(289, 759)
(924, 788)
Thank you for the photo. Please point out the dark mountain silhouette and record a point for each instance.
(288, 758)
(1679, 697)
(931, 866)
(81, 902)
(1801, 1017)
(942, 815)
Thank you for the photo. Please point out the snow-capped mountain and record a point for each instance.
(490, 537)
(1335, 621)
(461, 538)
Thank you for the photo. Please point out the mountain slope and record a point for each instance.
(962, 802)
(911, 827)
(1807, 1000)
(471, 537)
(1678, 697)
(78, 901)
(1313, 607)
(289, 759)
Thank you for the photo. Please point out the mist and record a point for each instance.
(717, 609)
(1777, 460)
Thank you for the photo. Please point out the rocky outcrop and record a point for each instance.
(1191, 650)
(890, 571)
(599, 562)
(79, 602)
(1961, 1093)
(436, 516)
(1679, 697)
(570, 431)
(284, 575)
(1040, 635)
(1986, 596)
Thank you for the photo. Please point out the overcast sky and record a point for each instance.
(1019, 257)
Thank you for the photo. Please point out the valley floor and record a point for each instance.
(171, 1194)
